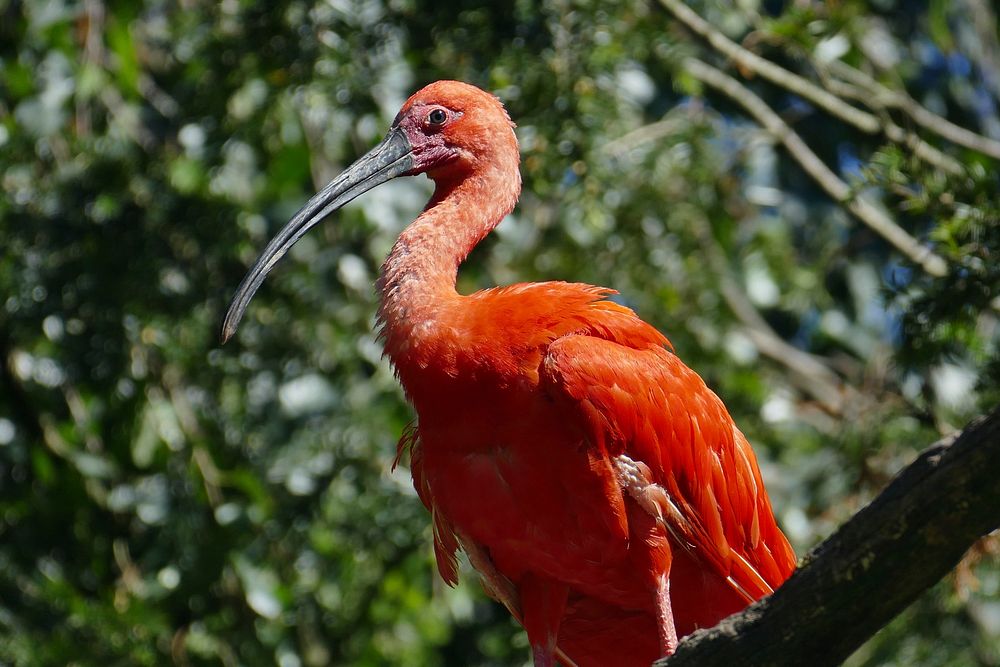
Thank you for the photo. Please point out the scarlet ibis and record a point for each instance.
(599, 487)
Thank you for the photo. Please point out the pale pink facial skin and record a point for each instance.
(456, 130)
(424, 126)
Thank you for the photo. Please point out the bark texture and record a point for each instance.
(873, 567)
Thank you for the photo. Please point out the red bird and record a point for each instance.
(599, 487)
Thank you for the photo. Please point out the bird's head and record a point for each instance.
(454, 129)
(447, 130)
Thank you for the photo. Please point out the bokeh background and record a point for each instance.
(164, 500)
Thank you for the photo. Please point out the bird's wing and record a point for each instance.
(676, 451)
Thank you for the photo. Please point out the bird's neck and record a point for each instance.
(417, 282)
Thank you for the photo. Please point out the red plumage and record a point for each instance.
(599, 487)
(544, 386)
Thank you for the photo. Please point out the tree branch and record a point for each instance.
(840, 191)
(646, 134)
(808, 372)
(874, 93)
(749, 60)
(871, 569)
(859, 118)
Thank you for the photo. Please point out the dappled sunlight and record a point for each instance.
(164, 499)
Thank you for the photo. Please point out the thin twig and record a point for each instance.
(645, 134)
(863, 120)
(127, 118)
(210, 474)
(321, 168)
(987, 53)
(93, 52)
(807, 371)
(922, 149)
(883, 96)
(81, 418)
(157, 97)
(840, 191)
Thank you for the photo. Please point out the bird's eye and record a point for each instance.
(437, 117)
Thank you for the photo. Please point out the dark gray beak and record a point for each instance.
(389, 159)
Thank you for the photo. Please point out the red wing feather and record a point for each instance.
(693, 466)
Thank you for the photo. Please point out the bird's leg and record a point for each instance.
(496, 585)
(543, 602)
(665, 617)
(635, 478)
(542, 656)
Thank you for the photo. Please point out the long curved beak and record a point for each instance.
(391, 158)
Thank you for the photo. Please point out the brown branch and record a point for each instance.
(749, 60)
(876, 94)
(863, 120)
(870, 570)
(655, 131)
(840, 191)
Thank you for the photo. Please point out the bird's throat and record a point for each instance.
(416, 285)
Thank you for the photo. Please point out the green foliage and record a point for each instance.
(164, 499)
